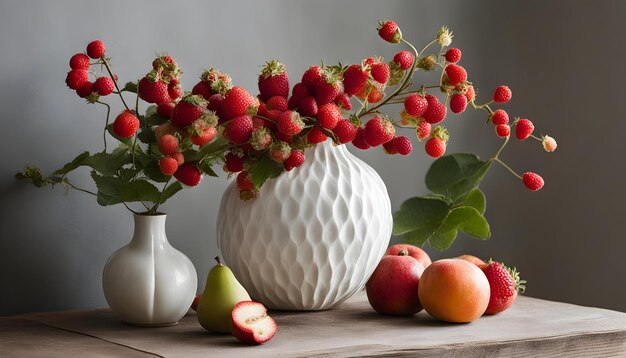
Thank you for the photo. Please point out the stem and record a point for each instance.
(131, 210)
(106, 124)
(536, 138)
(508, 168)
(106, 64)
(68, 183)
(506, 140)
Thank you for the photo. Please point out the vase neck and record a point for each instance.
(328, 149)
(149, 230)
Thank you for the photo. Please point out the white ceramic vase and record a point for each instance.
(148, 282)
(313, 236)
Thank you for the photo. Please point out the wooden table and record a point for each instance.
(531, 328)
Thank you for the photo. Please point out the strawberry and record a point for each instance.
(180, 158)
(168, 165)
(295, 160)
(499, 117)
(202, 89)
(390, 148)
(300, 90)
(240, 129)
(126, 124)
(345, 131)
(153, 91)
(532, 181)
(308, 107)
(168, 144)
(188, 174)
(379, 131)
(187, 110)
(435, 147)
(207, 135)
(354, 79)
(251, 324)
(404, 59)
(503, 130)
(549, 143)
(279, 151)
(290, 123)
(502, 94)
(215, 102)
(380, 72)
(375, 92)
(328, 115)
(104, 86)
(456, 74)
(175, 91)
(233, 163)
(238, 102)
(453, 55)
(316, 135)
(311, 77)
(359, 139)
(244, 181)
(85, 90)
(343, 101)
(435, 112)
(326, 90)
(469, 93)
(165, 110)
(278, 103)
(261, 138)
(458, 103)
(389, 31)
(523, 129)
(402, 145)
(96, 49)
(415, 105)
(422, 130)
(79, 61)
(273, 81)
(76, 79)
(504, 284)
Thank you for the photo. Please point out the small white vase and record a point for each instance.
(148, 282)
(313, 236)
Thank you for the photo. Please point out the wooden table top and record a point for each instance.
(531, 328)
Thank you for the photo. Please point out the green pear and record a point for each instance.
(221, 293)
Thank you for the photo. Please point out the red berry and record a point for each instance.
(126, 124)
(79, 61)
(168, 165)
(207, 135)
(311, 77)
(379, 131)
(328, 115)
(403, 145)
(85, 90)
(308, 107)
(436, 111)
(273, 81)
(389, 31)
(295, 160)
(404, 58)
(215, 102)
(453, 55)
(502, 94)
(238, 102)
(290, 123)
(456, 74)
(503, 284)
(300, 90)
(345, 131)
(244, 181)
(153, 92)
(435, 147)
(316, 136)
(104, 86)
(76, 78)
(469, 93)
(188, 174)
(499, 117)
(326, 92)
(354, 80)
(96, 49)
(503, 130)
(165, 110)
(343, 101)
(380, 72)
(278, 103)
(168, 144)
(240, 129)
(423, 130)
(532, 181)
(280, 151)
(523, 129)
(188, 110)
(415, 105)
(458, 103)
(359, 140)
(390, 148)
(233, 163)
(175, 91)
(180, 158)
(202, 89)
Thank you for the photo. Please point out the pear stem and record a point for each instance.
(219, 262)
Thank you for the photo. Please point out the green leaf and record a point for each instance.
(139, 190)
(463, 218)
(454, 176)
(114, 190)
(170, 191)
(206, 167)
(128, 174)
(151, 110)
(77, 162)
(263, 170)
(153, 172)
(130, 87)
(419, 213)
(476, 199)
(213, 148)
(108, 188)
(109, 163)
(147, 136)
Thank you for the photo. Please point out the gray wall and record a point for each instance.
(564, 62)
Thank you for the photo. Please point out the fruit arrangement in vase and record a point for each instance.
(184, 135)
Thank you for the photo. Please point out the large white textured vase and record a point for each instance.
(148, 282)
(313, 236)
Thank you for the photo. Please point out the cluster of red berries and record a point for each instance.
(78, 77)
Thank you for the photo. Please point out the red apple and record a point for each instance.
(393, 287)
(194, 304)
(413, 251)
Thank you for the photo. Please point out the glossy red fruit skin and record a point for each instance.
(532, 181)
(184, 114)
(188, 174)
(502, 287)
(393, 287)
(413, 251)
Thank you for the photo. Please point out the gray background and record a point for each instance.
(563, 60)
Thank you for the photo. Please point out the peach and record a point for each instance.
(454, 290)
(473, 259)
